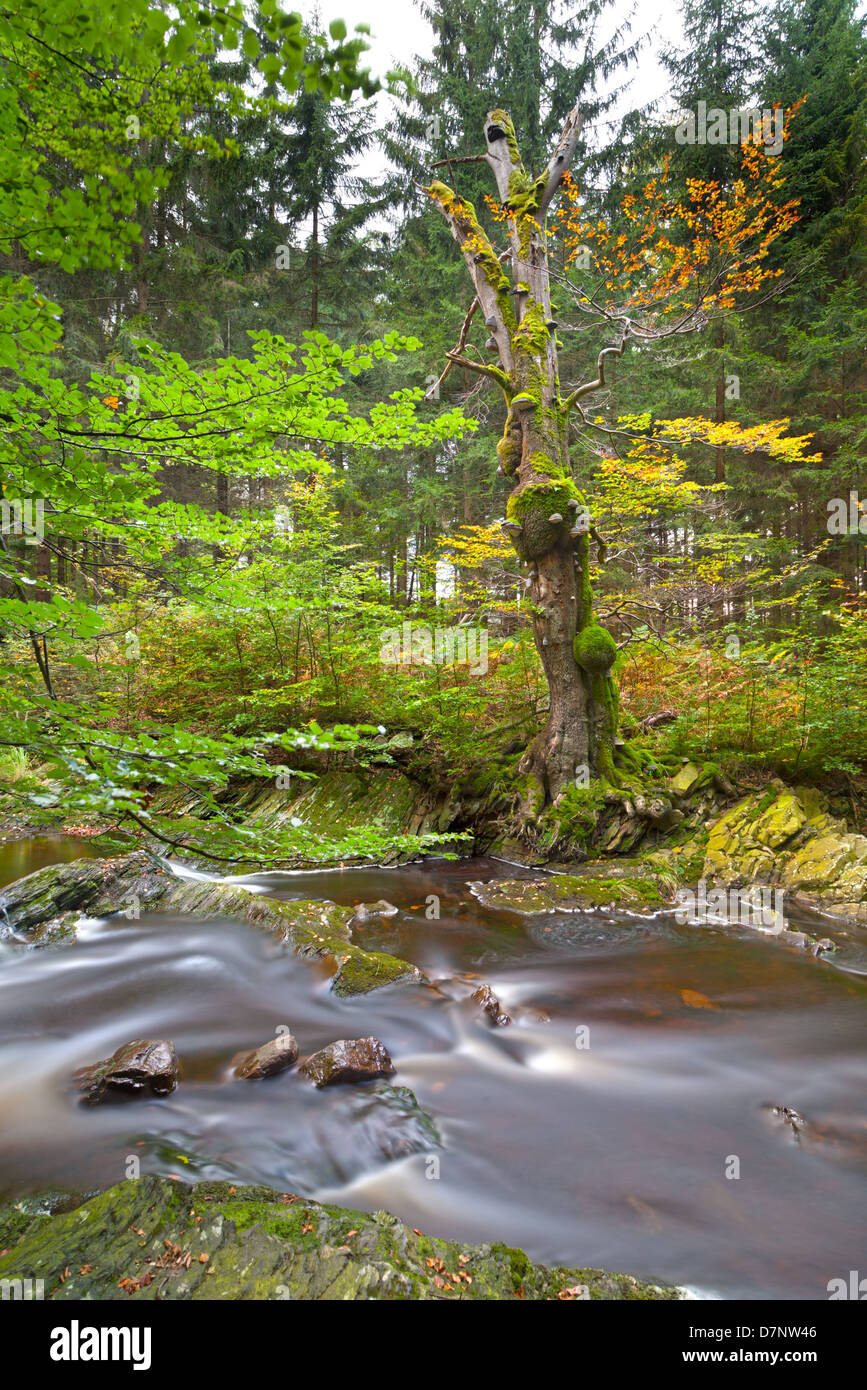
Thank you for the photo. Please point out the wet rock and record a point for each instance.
(789, 838)
(489, 1004)
(461, 987)
(371, 912)
(140, 1069)
(789, 1117)
(261, 1246)
(391, 1118)
(348, 1060)
(42, 910)
(269, 1059)
(94, 886)
(628, 884)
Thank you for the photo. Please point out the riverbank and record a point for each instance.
(157, 1239)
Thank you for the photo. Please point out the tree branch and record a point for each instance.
(561, 159)
(483, 369)
(589, 386)
(433, 392)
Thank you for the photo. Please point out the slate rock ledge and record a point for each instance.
(43, 909)
(140, 1240)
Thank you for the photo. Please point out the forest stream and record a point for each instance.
(613, 1153)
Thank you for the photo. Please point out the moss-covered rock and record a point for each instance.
(787, 837)
(627, 884)
(141, 1241)
(101, 888)
(337, 802)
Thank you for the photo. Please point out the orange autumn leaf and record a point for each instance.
(694, 999)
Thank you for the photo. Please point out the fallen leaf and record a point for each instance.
(695, 1000)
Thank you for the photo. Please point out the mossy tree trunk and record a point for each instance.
(547, 520)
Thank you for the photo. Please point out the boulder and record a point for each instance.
(788, 837)
(140, 1069)
(140, 1242)
(269, 1059)
(348, 1060)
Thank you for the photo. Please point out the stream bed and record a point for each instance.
(602, 1136)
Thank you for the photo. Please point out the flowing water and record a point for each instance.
(613, 1154)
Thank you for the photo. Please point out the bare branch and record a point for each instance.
(561, 159)
(433, 393)
(589, 386)
(461, 159)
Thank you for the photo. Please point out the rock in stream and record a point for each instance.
(348, 1060)
(139, 1070)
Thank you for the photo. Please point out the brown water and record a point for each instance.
(614, 1155)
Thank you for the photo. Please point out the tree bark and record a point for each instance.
(546, 517)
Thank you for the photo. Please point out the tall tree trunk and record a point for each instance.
(547, 521)
(314, 270)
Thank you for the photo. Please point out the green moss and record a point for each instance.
(595, 649)
(532, 334)
(573, 821)
(531, 505)
(606, 700)
(628, 885)
(509, 450)
(548, 467)
(764, 802)
(16, 1218)
(520, 186)
(465, 216)
(533, 497)
(259, 1245)
(363, 971)
(504, 121)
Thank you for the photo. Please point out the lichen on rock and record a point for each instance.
(141, 1241)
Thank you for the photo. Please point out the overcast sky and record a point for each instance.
(399, 32)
